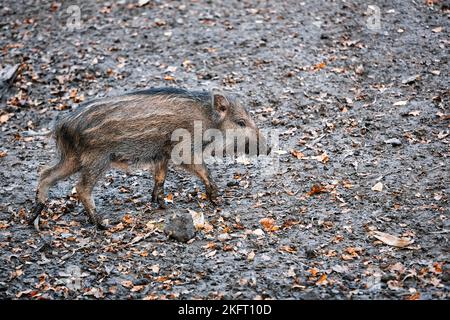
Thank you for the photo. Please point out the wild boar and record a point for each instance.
(135, 130)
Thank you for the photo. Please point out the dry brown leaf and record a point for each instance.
(297, 154)
(324, 158)
(399, 242)
(269, 224)
(315, 189)
(128, 219)
(319, 66)
(127, 283)
(289, 249)
(169, 198)
(415, 296)
(4, 118)
(322, 280)
(313, 271)
(3, 224)
(251, 256)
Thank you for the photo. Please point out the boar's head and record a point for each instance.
(241, 135)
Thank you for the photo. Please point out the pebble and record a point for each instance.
(180, 226)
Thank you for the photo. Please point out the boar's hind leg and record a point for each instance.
(202, 172)
(88, 179)
(50, 177)
(160, 174)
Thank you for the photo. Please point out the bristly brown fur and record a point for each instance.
(134, 130)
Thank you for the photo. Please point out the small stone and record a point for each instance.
(393, 141)
(180, 226)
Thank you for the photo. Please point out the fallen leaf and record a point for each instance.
(137, 288)
(351, 253)
(297, 154)
(414, 113)
(198, 218)
(347, 184)
(324, 158)
(269, 224)
(378, 187)
(291, 272)
(169, 198)
(4, 118)
(359, 69)
(391, 240)
(319, 66)
(313, 271)
(127, 283)
(251, 256)
(322, 280)
(258, 232)
(415, 296)
(289, 249)
(339, 269)
(437, 267)
(280, 152)
(142, 3)
(436, 72)
(211, 254)
(128, 219)
(437, 30)
(315, 189)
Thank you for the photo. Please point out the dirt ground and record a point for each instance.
(363, 116)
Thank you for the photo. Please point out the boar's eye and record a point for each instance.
(241, 123)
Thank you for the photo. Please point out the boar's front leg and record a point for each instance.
(85, 185)
(50, 177)
(203, 173)
(160, 173)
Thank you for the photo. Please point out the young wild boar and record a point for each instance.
(135, 130)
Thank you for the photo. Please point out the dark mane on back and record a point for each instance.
(161, 91)
(203, 97)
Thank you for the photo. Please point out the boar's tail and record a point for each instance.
(65, 140)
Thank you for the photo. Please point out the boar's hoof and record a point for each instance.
(98, 223)
(159, 200)
(212, 193)
(35, 212)
(101, 226)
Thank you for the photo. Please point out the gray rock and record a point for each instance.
(179, 226)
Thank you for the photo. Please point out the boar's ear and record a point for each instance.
(220, 103)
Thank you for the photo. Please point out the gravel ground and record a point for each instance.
(362, 112)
